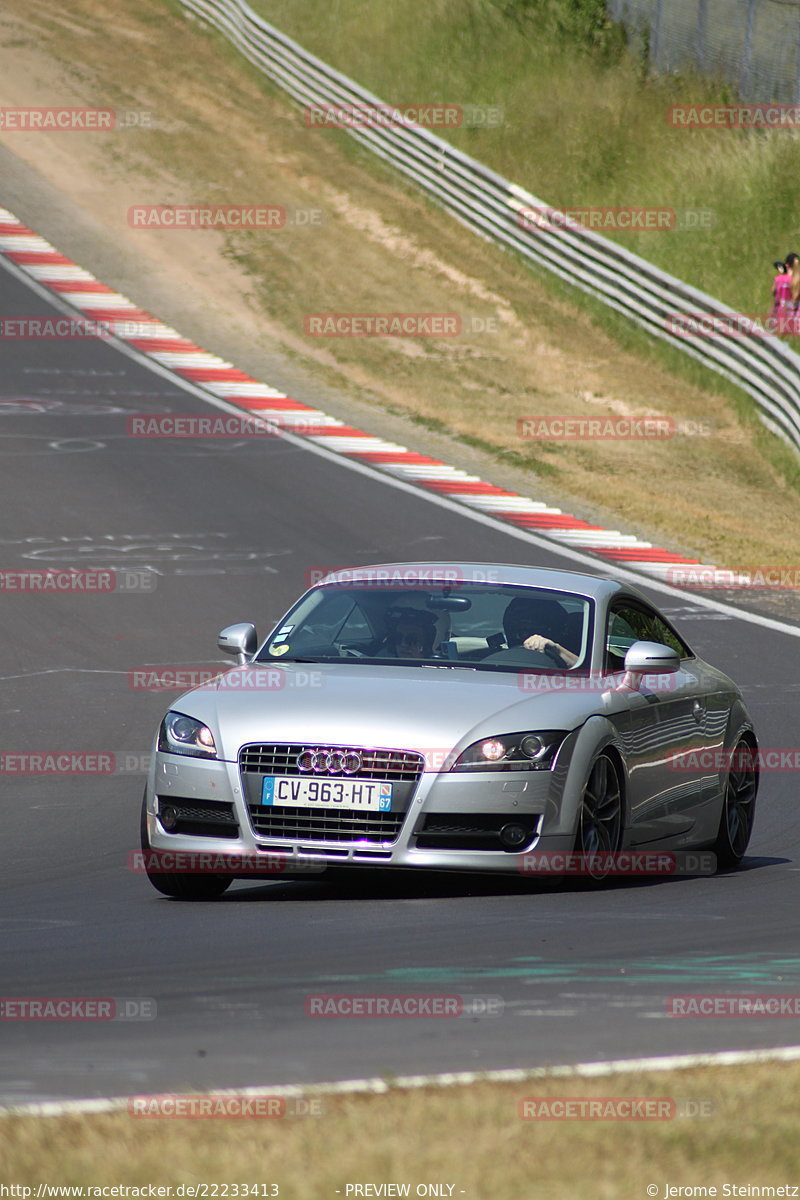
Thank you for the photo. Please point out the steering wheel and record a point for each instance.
(553, 654)
(519, 657)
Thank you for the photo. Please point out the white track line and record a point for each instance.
(378, 1086)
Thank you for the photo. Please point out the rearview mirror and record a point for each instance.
(240, 639)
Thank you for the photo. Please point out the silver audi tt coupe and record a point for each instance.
(456, 716)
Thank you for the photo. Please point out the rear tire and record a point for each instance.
(738, 808)
(181, 885)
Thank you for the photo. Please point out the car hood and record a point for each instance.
(420, 708)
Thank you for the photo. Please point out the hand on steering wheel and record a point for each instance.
(543, 645)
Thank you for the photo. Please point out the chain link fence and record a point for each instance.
(752, 44)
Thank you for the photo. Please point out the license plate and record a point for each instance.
(329, 794)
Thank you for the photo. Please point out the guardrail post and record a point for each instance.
(655, 33)
(701, 34)
(747, 54)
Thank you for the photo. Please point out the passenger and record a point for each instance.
(536, 623)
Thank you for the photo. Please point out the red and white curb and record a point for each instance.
(163, 345)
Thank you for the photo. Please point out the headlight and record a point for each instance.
(512, 752)
(184, 735)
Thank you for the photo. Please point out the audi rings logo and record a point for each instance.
(332, 762)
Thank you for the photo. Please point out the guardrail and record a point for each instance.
(762, 366)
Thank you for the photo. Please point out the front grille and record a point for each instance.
(201, 818)
(402, 768)
(374, 827)
(471, 831)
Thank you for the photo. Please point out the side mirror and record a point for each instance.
(240, 639)
(652, 658)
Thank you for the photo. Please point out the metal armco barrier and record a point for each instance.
(490, 205)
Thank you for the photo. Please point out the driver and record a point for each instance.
(535, 623)
(411, 633)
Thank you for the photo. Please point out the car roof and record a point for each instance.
(598, 587)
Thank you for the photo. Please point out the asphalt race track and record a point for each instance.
(228, 530)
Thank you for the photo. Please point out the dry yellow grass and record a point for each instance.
(470, 1137)
(223, 137)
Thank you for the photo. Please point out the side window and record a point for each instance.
(621, 634)
(628, 624)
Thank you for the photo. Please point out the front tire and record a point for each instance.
(738, 807)
(181, 885)
(600, 818)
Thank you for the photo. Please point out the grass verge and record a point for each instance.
(725, 1126)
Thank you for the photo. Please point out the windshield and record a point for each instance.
(496, 627)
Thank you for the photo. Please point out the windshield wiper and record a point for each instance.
(448, 665)
(277, 662)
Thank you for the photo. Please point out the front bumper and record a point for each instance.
(439, 801)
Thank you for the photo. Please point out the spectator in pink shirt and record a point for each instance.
(793, 267)
(786, 294)
(781, 284)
